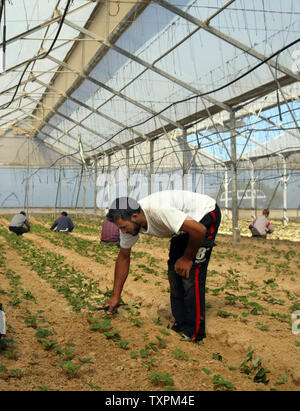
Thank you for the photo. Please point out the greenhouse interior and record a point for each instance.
(107, 98)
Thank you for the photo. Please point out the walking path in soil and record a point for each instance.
(234, 270)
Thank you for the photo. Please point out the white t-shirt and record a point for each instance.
(165, 212)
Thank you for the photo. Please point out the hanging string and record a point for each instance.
(3, 8)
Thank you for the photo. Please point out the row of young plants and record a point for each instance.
(17, 297)
(151, 361)
(45, 263)
(233, 298)
(249, 297)
(81, 293)
(101, 253)
(7, 345)
(79, 290)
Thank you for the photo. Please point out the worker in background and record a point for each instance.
(63, 224)
(110, 233)
(19, 224)
(261, 226)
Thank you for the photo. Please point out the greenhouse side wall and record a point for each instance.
(44, 190)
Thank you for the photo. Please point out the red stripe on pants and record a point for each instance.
(212, 229)
(197, 301)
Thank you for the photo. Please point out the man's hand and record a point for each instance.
(183, 266)
(112, 305)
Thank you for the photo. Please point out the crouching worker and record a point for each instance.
(261, 226)
(19, 224)
(63, 224)
(110, 233)
(191, 220)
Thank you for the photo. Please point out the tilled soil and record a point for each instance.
(252, 289)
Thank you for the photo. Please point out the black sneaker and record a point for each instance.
(175, 327)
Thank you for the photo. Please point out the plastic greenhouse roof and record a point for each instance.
(160, 67)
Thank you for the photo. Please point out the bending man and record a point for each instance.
(192, 221)
(19, 224)
(64, 224)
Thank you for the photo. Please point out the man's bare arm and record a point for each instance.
(121, 272)
(197, 233)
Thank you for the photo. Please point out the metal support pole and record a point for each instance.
(84, 193)
(234, 202)
(252, 185)
(79, 186)
(95, 185)
(26, 201)
(226, 184)
(109, 181)
(273, 194)
(185, 163)
(127, 173)
(58, 192)
(151, 175)
(285, 182)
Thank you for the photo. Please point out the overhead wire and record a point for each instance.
(44, 55)
(174, 103)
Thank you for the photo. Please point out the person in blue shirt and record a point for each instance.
(63, 224)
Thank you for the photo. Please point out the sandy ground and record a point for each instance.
(252, 289)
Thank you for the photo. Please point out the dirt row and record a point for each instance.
(113, 368)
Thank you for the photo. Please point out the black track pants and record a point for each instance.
(188, 295)
(18, 230)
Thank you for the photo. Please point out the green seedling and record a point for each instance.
(42, 333)
(225, 314)
(31, 321)
(144, 353)
(150, 362)
(162, 343)
(105, 325)
(94, 387)
(180, 355)
(151, 346)
(282, 380)
(11, 355)
(70, 368)
(113, 335)
(217, 356)
(68, 354)
(261, 376)
(49, 344)
(123, 344)
(161, 379)
(262, 326)
(6, 343)
(17, 373)
(208, 372)
(86, 361)
(221, 384)
(136, 322)
(164, 331)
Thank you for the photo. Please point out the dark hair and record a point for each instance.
(64, 213)
(122, 207)
(266, 212)
(22, 212)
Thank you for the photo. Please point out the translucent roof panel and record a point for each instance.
(31, 31)
(164, 67)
